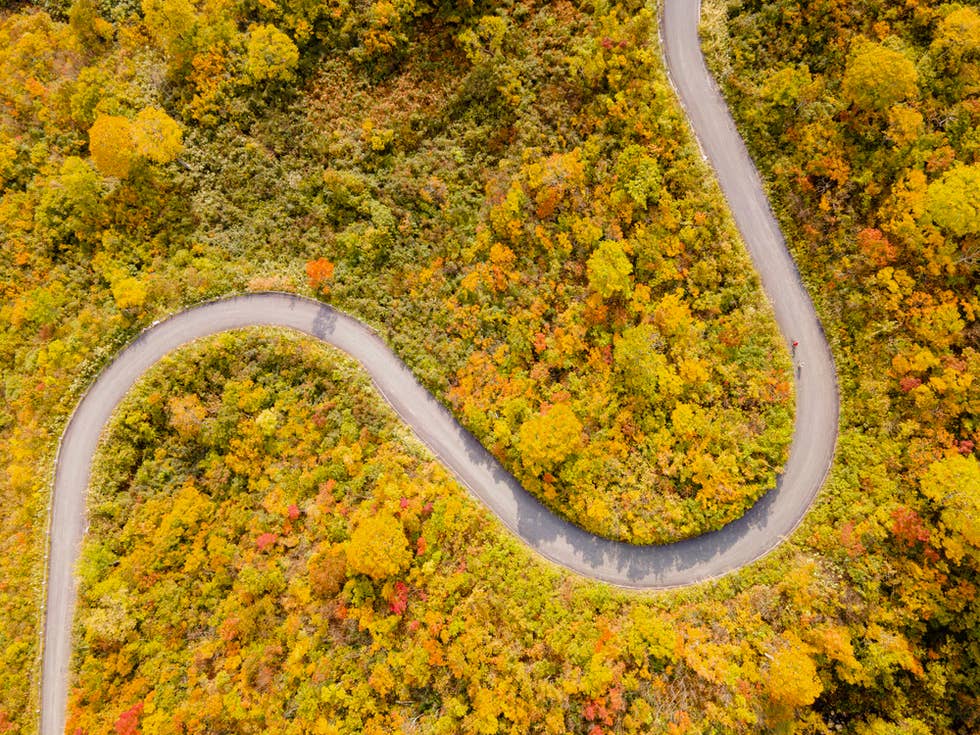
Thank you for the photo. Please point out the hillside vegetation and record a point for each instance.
(507, 192)
(272, 552)
(504, 190)
(865, 119)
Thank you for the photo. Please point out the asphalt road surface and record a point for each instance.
(641, 567)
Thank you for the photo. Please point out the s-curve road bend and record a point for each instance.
(640, 567)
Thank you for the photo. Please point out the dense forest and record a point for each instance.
(508, 193)
(535, 236)
(272, 552)
(865, 119)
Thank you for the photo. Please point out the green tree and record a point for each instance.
(906, 726)
(953, 200)
(71, 208)
(88, 26)
(8, 161)
(609, 269)
(638, 357)
(638, 175)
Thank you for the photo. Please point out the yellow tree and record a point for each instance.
(877, 77)
(793, 680)
(157, 136)
(129, 292)
(953, 483)
(171, 23)
(953, 201)
(547, 439)
(378, 547)
(272, 55)
(111, 145)
(957, 39)
(609, 269)
(187, 414)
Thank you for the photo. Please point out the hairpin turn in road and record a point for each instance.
(762, 528)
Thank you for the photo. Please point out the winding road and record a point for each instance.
(641, 567)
